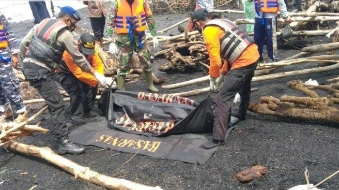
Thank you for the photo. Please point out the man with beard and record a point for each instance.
(41, 52)
(225, 40)
(126, 22)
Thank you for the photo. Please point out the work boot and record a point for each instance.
(212, 143)
(121, 82)
(68, 147)
(149, 81)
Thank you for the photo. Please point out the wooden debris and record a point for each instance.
(79, 172)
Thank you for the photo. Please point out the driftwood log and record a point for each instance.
(311, 107)
(79, 172)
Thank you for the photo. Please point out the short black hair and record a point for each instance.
(199, 15)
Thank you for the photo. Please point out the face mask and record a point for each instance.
(72, 27)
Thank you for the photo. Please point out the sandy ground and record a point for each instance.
(285, 146)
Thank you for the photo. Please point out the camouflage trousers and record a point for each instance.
(9, 89)
(128, 49)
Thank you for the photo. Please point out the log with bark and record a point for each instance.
(79, 172)
(312, 107)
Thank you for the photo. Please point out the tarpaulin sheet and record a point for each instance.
(153, 114)
(184, 147)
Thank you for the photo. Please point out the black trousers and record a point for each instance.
(236, 81)
(81, 94)
(44, 81)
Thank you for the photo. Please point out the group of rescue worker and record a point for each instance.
(49, 54)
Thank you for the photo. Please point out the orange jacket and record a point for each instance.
(85, 77)
(212, 36)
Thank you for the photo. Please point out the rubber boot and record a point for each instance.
(67, 147)
(121, 82)
(149, 81)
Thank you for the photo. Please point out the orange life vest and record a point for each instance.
(130, 17)
(3, 37)
(266, 6)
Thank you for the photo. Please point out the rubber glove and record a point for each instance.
(155, 42)
(101, 78)
(108, 81)
(113, 49)
(219, 81)
(212, 84)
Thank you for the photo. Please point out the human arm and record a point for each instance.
(77, 72)
(149, 19)
(283, 11)
(212, 42)
(24, 45)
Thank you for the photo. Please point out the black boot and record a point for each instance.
(67, 147)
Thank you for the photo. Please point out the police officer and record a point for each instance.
(41, 51)
(9, 83)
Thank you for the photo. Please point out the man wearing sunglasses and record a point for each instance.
(41, 53)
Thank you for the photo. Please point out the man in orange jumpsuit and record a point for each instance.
(81, 86)
(224, 40)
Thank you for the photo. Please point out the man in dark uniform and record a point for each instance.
(41, 51)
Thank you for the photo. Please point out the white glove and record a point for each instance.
(212, 84)
(155, 42)
(108, 81)
(219, 81)
(101, 78)
(113, 49)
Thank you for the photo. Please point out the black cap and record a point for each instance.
(71, 12)
(87, 42)
(199, 15)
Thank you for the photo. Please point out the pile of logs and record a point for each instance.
(311, 107)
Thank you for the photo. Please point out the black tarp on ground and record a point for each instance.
(154, 114)
(185, 147)
(157, 125)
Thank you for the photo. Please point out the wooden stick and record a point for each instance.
(79, 172)
(164, 30)
(5, 132)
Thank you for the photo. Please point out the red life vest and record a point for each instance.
(234, 42)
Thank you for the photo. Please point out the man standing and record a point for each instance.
(9, 83)
(41, 51)
(81, 86)
(225, 40)
(97, 16)
(127, 21)
(265, 26)
(39, 10)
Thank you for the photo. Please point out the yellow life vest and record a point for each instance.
(130, 17)
(3, 37)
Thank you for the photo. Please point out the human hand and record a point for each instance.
(109, 82)
(101, 78)
(113, 49)
(219, 81)
(288, 20)
(155, 42)
(212, 84)
(15, 60)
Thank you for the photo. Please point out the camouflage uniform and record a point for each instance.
(9, 83)
(127, 47)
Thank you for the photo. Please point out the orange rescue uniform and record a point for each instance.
(85, 77)
(212, 36)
